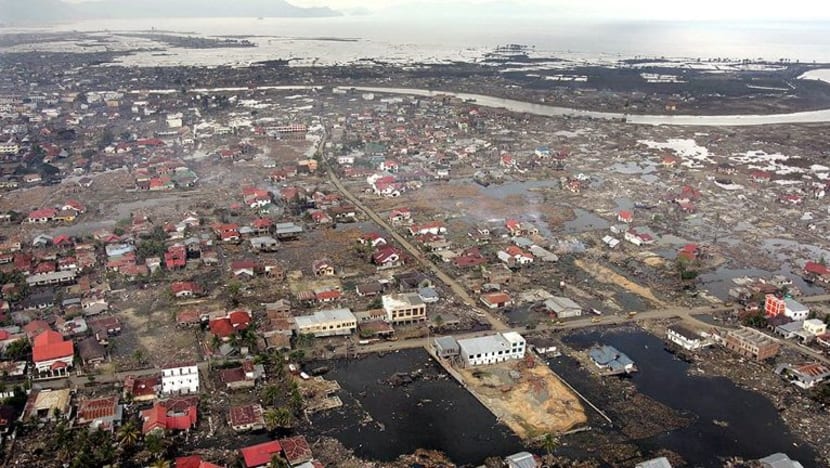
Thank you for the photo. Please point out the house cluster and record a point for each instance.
(161, 173)
(168, 403)
(68, 212)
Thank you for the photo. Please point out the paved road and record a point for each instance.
(456, 288)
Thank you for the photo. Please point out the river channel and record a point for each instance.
(556, 111)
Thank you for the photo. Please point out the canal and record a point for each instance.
(727, 420)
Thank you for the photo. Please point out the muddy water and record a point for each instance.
(585, 221)
(432, 413)
(719, 282)
(748, 424)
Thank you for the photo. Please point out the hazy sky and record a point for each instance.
(609, 9)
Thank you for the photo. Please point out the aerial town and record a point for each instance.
(200, 270)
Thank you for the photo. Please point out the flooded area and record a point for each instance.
(502, 191)
(719, 282)
(555, 111)
(726, 420)
(380, 421)
(585, 221)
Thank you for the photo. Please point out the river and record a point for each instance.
(750, 425)
(513, 105)
(818, 116)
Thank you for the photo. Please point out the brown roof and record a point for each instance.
(187, 317)
(90, 349)
(296, 450)
(232, 375)
(142, 386)
(245, 415)
(90, 410)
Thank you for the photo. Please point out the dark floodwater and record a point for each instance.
(754, 428)
(431, 414)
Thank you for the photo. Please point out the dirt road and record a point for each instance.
(456, 288)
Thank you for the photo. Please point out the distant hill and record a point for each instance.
(12, 11)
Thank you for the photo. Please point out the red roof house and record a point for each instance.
(194, 461)
(50, 352)
(170, 415)
(816, 269)
(175, 257)
(185, 288)
(260, 454)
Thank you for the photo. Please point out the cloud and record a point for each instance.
(706, 10)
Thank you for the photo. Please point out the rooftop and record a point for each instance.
(404, 300)
(325, 316)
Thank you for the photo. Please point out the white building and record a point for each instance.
(795, 310)
(684, 337)
(404, 308)
(327, 323)
(492, 349)
(180, 380)
(563, 307)
(815, 326)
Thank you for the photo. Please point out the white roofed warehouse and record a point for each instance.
(492, 349)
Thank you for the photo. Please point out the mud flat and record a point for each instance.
(532, 401)
(606, 275)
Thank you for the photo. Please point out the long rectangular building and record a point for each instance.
(751, 343)
(491, 349)
(327, 323)
(51, 278)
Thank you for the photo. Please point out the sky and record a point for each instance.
(704, 10)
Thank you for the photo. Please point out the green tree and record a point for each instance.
(128, 434)
(297, 402)
(549, 443)
(278, 462)
(138, 356)
(278, 418)
(233, 292)
(270, 394)
(155, 445)
(438, 321)
(18, 350)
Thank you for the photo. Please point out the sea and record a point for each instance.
(402, 40)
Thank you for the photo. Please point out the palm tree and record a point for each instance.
(270, 394)
(296, 400)
(129, 434)
(549, 443)
(277, 462)
(155, 445)
(278, 417)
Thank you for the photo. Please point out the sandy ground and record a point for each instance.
(606, 275)
(156, 335)
(535, 404)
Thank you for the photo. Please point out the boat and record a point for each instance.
(319, 370)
